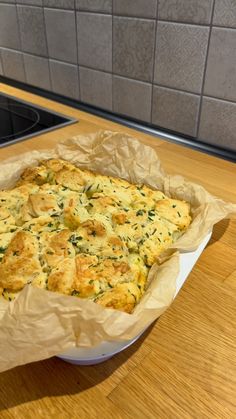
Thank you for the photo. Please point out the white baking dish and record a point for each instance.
(105, 350)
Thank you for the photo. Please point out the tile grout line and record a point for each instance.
(112, 54)
(1, 62)
(125, 77)
(205, 25)
(181, 22)
(210, 26)
(46, 40)
(77, 48)
(204, 73)
(176, 89)
(21, 45)
(220, 99)
(154, 58)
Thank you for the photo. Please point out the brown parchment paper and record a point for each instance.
(40, 324)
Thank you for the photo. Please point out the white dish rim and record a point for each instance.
(187, 262)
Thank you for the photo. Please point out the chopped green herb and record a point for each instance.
(178, 214)
(173, 206)
(140, 187)
(139, 212)
(73, 239)
(133, 296)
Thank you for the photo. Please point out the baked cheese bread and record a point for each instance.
(79, 233)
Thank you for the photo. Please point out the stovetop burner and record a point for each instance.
(21, 120)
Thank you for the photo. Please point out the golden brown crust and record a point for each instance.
(61, 278)
(57, 247)
(20, 264)
(175, 211)
(36, 175)
(122, 297)
(42, 204)
(84, 234)
(71, 179)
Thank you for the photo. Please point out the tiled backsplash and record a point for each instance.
(168, 62)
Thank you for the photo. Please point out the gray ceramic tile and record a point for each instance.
(31, 2)
(60, 4)
(104, 6)
(65, 80)
(32, 29)
(132, 98)
(9, 30)
(61, 34)
(225, 13)
(133, 47)
(13, 66)
(96, 88)
(220, 78)
(1, 68)
(218, 123)
(138, 8)
(95, 40)
(7, 1)
(192, 11)
(175, 110)
(37, 71)
(180, 56)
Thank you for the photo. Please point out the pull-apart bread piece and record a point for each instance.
(79, 233)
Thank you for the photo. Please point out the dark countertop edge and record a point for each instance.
(148, 128)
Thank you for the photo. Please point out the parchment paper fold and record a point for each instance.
(40, 324)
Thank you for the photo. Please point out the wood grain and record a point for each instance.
(184, 365)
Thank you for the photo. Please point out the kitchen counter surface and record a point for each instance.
(184, 366)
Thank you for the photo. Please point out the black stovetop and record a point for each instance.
(21, 120)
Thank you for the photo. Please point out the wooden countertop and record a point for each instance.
(184, 366)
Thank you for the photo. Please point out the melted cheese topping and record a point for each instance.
(79, 233)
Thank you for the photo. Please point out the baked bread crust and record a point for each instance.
(80, 233)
